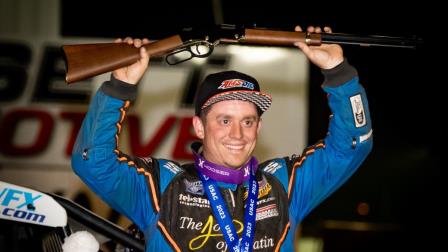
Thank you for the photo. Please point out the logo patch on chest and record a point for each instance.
(263, 189)
(267, 212)
(272, 167)
(188, 200)
(194, 187)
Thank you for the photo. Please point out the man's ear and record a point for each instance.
(198, 127)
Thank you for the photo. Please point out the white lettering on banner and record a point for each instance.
(229, 233)
(251, 207)
(222, 215)
(246, 247)
(213, 192)
(249, 229)
(254, 188)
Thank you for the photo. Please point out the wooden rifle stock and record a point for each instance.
(87, 60)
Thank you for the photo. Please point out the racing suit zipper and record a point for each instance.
(230, 199)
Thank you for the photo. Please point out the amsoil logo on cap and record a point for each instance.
(233, 83)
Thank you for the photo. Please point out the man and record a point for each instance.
(225, 201)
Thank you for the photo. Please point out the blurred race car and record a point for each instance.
(31, 220)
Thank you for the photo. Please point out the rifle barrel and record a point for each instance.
(370, 40)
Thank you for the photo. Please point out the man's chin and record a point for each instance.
(234, 159)
(235, 163)
(234, 167)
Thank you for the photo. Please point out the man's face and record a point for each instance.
(229, 132)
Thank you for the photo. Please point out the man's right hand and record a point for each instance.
(133, 73)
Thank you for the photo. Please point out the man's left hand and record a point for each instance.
(325, 56)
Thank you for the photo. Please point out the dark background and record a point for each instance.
(401, 179)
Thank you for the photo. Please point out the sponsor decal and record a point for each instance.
(201, 163)
(266, 200)
(272, 167)
(358, 111)
(263, 189)
(212, 169)
(17, 204)
(262, 243)
(233, 83)
(207, 230)
(266, 212)
(194, 187)
(188, 200)
(211, 229)
(246, 171)
(172, 167)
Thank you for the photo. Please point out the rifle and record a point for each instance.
(87, 60)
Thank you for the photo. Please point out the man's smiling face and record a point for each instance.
(229, 132)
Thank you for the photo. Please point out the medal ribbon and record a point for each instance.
(221, 173)
(220, 210)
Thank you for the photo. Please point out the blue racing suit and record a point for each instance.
(167, 200)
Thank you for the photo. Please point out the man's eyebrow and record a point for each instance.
(251, 117)
(223, 116)
(227, 116)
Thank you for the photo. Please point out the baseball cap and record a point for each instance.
(230, 85)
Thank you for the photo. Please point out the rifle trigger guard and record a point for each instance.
(190, 49)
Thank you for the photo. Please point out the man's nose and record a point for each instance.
(236, 131)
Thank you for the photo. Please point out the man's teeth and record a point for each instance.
(234, 147)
